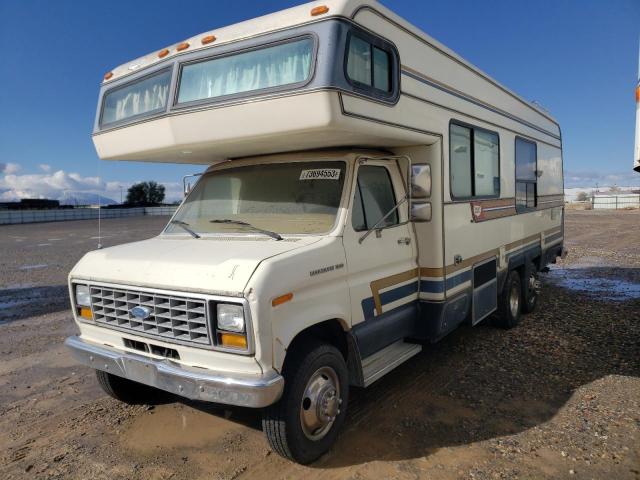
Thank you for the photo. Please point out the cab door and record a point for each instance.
(382, 269)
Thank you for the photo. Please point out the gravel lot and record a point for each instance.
(558, 397)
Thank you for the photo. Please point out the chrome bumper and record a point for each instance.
(190, 382)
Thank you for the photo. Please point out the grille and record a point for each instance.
(171, 317)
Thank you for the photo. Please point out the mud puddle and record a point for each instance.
(178, 426)
(599, 282)
(25, 301)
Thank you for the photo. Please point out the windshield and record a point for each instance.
(285, 198)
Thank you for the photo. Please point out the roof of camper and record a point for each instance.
(288, 18)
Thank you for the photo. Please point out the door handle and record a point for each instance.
(404, 241)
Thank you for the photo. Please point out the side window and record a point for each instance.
(474, 162)
(526, 176)
(374, 198)
(369, 66)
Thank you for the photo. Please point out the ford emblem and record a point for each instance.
(140, 312)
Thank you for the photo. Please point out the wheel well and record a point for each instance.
(329, 331)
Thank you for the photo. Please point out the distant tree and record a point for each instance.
(145, 193)
(582, 197)
(615, 189)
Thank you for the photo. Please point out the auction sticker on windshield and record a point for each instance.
(320, 174)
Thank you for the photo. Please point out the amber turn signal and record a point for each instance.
(182, 46)
(85, 312)
(322, 9)
(208, 39)
(234, 340)
(281, 299)
(638, 95)
(108, 75)
(163, 53)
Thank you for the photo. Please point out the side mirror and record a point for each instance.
(420, 181)
(420, 211)
(420, 191)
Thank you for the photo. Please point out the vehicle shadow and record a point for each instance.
(24, 302)
(482, 383)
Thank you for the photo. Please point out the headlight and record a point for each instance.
(83, 298)
(230, 317)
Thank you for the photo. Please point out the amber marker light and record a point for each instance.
(163, 53)
(208, 39)
(281, 299)
(182, 46)
(108, 75)
(234, 340)
(321, 10)
(638, 94)
(85, 312)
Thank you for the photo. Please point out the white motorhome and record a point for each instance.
(367, 191)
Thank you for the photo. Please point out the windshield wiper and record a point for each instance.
(185, 227)
(239, 222)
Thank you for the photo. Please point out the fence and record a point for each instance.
(34, 216)
(627, 200)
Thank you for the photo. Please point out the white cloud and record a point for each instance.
(61, 185)
(9, 168)
(44, 167)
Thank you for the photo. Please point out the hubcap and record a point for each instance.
(514, 300)
(320, 403)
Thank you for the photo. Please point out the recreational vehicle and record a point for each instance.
(367, 191)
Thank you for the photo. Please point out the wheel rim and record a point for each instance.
(320, 403)
(514, 300)
(531, 285)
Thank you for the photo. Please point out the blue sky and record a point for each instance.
(576, 58)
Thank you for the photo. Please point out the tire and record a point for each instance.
(529, 292)
(126, 391)
(292, 426)
(510, 302)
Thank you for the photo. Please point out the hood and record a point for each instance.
(212, 265)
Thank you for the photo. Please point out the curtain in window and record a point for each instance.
(254, 70)
(145, 96)
(359, 61)
(486, 163)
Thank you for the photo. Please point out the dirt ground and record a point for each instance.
(557, 397)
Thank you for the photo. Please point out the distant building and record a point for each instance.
(31, 204)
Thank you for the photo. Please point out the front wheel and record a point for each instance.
(305, 422)
(126, 391)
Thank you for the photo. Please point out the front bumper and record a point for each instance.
(190, 382)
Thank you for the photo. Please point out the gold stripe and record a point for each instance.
(471, 260)
(385, 282)
(431, 272)
(518, 243)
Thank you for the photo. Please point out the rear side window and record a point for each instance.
(474, 162)
(369, 66)
(374, 198)
(526, 174)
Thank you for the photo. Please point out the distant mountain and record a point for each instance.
(84, 198)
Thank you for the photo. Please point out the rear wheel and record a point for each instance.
(305, 422)
(126, 391)
(509, 302)
(530, 289)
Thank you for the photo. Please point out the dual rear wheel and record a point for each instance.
(519, 295)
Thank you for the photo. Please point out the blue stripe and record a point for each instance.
(458, 279)
(432, 286)
(368, 305)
